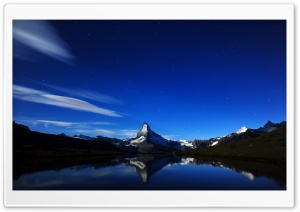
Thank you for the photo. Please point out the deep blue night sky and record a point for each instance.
(187, 79)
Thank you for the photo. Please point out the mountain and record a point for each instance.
(148, 141)
(270, 126)
(249, 133)
(241, 134)
(242, 130)
(31, 144)
(84, 137)
(269, 146)
(146, 134)
(185, 145)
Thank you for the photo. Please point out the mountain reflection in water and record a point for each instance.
(147, 165)
(156, 172)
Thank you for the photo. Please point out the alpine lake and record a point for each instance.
(149, 172)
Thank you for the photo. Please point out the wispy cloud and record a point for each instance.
(104, 131)
(55, 123)
(87, 94)
(98, 123)
(37, 96)
(83, 125)
(98, 97)
(42, 37)
(128, 133)
(84, 131)
(90, 128)
(107, 132)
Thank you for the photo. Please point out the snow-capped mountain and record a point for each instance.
(185, 143)
(241, 130)
(149, 141)
(240, 134)
(146, 134)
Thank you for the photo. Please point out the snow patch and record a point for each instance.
(242, 130)
(138, 140)
(215, 143)
(144, 130)
(185, 143)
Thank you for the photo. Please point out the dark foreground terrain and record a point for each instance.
(269, 147)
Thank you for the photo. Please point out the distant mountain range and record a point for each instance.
(241, 134)
(27, 143)
(146, 140)
(263, 144)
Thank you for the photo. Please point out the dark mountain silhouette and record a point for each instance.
(30, 143)
(238, 136)
(269, 146)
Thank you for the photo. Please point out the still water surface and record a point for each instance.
(155, 172)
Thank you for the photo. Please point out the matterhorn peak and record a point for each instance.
(149, 141)
(242, 130)
(145, 130)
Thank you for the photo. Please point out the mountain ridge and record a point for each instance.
(148, 141)
(270, 146)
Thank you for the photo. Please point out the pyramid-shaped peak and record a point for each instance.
(270, 126)
(145, 124)
(269, 123)
(145, 130)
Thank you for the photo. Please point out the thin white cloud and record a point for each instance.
(104, 131)
(32, 95)
(87, 94)
(90, 128)
(56, 123)
(85, 131)
(128, 133)
(65, 124)
(99, 123)
(42, 37)
(98, 97)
